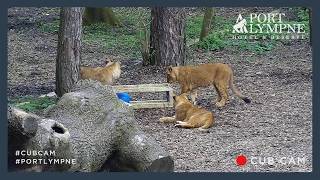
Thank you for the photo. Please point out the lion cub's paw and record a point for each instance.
(163, 119)
(167, 120)
(180, 124)
(219, 104)
(203, 130)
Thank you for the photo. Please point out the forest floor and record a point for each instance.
(277, 124)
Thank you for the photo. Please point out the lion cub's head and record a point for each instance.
(181, 99)
(116, 70)
(172, 74)
(113, 68)
(108, 63)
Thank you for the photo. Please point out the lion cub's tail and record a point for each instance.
(237, 92)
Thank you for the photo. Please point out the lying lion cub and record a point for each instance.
(191, 77)
(188, 115)
(106, 75)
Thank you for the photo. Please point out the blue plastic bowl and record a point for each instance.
(124, 97)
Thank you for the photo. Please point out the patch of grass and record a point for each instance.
(216, 37)
(212, 42)
(220, 36)
(32, 104)
(131, 17)
(258, 47)
(122, 40)
(303, 14)
(193, 26)
(51, 27)
(115, 39)
(125, 39)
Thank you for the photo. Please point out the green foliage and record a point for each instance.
(126, 39)
(123, 40)
(212, 42)
(258, 46)
(193, 26)
(115, 39)
(303, 14)
(220, 36)
(131, 17)
(51, 27)
(32, 104)
(218, 42)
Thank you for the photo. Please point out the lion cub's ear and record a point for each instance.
(185, 95)
(108, 60)
(174, 97)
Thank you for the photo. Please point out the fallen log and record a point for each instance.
(90, 126)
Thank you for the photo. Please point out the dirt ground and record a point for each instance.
(277, 124)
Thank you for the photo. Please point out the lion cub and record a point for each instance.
(106, 75)
(188, 115)
(217, 74)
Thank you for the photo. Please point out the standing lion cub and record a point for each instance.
(191, 77)
(188, 115)
(106, 75)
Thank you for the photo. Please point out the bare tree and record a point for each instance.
(69, 48)
(167, 36)
(207, 21)
(105, 15)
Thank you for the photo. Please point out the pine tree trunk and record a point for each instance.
(104, 15)
(69, 49)
(167, 37)
(207, 21)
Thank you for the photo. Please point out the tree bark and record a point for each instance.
(104, 15)
(93, 127)
(69, 49)
(167, 37)
(207, 21)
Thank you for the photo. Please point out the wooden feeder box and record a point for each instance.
(153, 88)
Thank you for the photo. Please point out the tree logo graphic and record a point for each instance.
(240, 26)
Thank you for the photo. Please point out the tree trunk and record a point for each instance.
(69, 49)
(167, 37)
(207, 21)
(90, 125)
(104, 15)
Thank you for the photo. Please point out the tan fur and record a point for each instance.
(106, 75)
(188, 115)
(192, 77)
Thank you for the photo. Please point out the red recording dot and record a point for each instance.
(241, 160)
